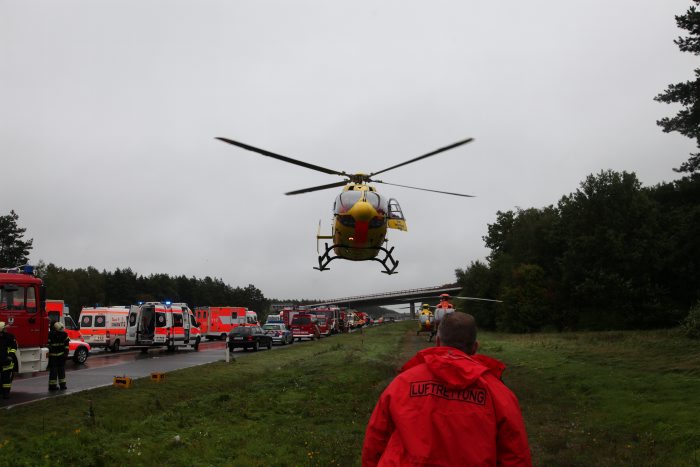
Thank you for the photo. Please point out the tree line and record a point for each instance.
(90, 287)
(612, 255)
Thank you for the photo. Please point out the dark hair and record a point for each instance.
(458, 330)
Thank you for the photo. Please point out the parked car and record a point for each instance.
(78, 351)
(248, 337)
(279, 332)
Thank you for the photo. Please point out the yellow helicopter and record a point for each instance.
(361, 215)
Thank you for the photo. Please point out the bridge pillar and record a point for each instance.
(413, 310)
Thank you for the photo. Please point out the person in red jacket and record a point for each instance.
(448, 407)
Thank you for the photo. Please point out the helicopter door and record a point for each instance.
(396, 219)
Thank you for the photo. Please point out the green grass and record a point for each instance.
(606, 398)
(616, 398)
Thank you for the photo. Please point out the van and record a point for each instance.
(156, 324)
(104, 326)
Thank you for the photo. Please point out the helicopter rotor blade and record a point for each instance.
(282, 158)
(425, 189)
(437, 151)
(479, 299)
(317, 188)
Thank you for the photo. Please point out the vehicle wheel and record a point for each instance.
(80, 356)
(256, 346)
(144, 350)
(222, 336)
(115, 346)
(196, 345)
(269, 344)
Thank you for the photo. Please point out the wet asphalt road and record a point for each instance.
(101, 368)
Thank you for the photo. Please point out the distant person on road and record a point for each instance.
(8, 348)
(443, 308)
(58, 353)
(448, 407)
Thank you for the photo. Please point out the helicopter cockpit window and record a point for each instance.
(346, 200)
(379, 203)
(395, 210)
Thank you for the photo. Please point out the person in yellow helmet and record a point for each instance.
(8, 348)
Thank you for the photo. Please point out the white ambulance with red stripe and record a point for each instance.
(162, 324)
(104, 326)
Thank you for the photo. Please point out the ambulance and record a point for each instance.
(215, 322)
(58, 311)
(162, 324)
(104, 326)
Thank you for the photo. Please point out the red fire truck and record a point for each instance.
(22, 301)
(328, 319)
(215, 322)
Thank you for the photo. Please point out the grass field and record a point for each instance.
(618, 398)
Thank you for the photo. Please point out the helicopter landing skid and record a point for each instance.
(389, 263)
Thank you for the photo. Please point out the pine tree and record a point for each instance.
(13, 250)
(687, 120)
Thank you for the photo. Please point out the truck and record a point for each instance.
(104, 326)
(328, 319)
(22, 308)
(162, 324)
(304, 326)
(215, 322)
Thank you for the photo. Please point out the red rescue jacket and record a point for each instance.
(447, 408)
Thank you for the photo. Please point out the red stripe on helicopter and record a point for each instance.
(361, 229)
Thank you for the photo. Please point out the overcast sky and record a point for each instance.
(109, 109)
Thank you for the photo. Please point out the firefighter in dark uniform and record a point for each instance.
(58, 352)
(8, 348)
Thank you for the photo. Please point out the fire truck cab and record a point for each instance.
(22, 300)
(156, 324)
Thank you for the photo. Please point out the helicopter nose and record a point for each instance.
(362, 211)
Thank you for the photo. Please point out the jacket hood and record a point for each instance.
(454, 367)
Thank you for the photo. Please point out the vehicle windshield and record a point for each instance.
(346, 200)
(242, 330)
(379, 203)
(274, 327)
(17, 298)
(301, 320)
(70, 324)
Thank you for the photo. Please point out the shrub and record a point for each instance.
(691, 324)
